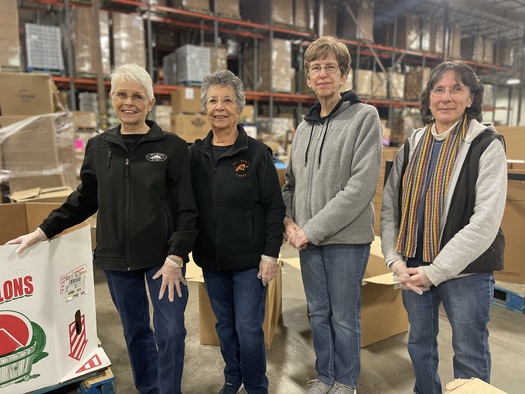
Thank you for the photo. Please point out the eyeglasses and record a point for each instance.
(455, 91)
(330, 69)
(136, 98)
(226, 101)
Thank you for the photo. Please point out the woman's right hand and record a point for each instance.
(294, 235)
(28, 240)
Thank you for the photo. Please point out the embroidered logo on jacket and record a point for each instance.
(156, 156)
(241, 168)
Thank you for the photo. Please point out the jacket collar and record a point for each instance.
(155, 133)
(240, 144)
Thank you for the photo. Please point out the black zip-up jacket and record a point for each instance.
(241, 209)
(146, 208)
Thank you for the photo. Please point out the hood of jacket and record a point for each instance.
(314, 117)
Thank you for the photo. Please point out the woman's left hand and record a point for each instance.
(267, 269)
(172, 278)
(417, 281)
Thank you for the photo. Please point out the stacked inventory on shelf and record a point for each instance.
(9, 36)
(44, 48)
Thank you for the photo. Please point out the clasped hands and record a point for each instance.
(295, 235)
(413, 279)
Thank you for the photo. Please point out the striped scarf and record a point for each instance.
(414, 183)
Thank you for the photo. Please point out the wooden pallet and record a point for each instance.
(102, 383)
(510, 296)
(50, 71)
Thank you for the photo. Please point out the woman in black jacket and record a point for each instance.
(138, 179)
(241, 213)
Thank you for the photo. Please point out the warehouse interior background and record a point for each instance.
(56, 57)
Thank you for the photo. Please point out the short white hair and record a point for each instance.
(135, 73)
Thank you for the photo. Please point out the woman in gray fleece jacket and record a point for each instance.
(330, 184)
(442, 208)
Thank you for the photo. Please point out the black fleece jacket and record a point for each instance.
(145, 203)
(241, 209)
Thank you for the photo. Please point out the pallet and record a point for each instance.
(190, 83)
(510, 296)
(50, 71)
(10, 69)
(99, 384)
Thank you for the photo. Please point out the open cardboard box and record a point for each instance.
(38, 194)
(382, 311)
(207, 320)
(48, 331)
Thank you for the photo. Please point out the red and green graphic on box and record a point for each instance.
(21, 345)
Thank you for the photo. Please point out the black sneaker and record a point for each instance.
(230, 388)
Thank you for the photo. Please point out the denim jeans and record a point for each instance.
(157, 357)
(238, 301)
(467, 302)
(332, 278)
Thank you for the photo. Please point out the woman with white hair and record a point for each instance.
(137, 177)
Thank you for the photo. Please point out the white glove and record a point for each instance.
(28, 240)
(172, 277)
(408, 277)
(267, 269)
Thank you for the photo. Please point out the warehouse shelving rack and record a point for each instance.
(220, 26)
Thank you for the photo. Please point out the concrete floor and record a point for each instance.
(386, 367)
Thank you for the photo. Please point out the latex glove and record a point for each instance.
(28, 240)
(409, 278)
(295, 235)
(172, 278)
(267, 269)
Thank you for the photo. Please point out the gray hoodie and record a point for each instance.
(333, 172)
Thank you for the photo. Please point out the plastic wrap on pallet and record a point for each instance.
(274, 67)
(9, 35)
(38, 151)
(83, 40)
(129, 45)
(192, 63)
(44, 47)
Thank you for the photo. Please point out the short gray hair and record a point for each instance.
(223, 78)
(134, 73)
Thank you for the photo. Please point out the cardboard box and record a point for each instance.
(190, 126)
(362, 28)
(513, 227)
(25, 94)
(382, 312)
(47, 308)
(471, 386)
(207, 320)
(186, 100)
(52, 194)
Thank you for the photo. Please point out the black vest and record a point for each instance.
(462, 204)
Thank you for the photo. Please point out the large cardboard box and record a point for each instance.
(190, 126)
(362, 28)
(48, 331)
(186, 99)
(26, 94)
(382, 311)
(52, 194)
(207, 320)
(513, 227)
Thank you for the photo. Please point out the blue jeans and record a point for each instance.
(238, 301)
(467, 302)
(332, 278)
(157, 357)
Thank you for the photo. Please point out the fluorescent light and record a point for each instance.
(513, 81)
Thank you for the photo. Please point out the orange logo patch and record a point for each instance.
(241, 168)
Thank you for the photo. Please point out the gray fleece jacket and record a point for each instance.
(333, 172)
(471, 241)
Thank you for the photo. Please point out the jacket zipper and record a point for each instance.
(127, 212)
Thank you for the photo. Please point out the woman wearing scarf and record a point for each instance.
(442, 208)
